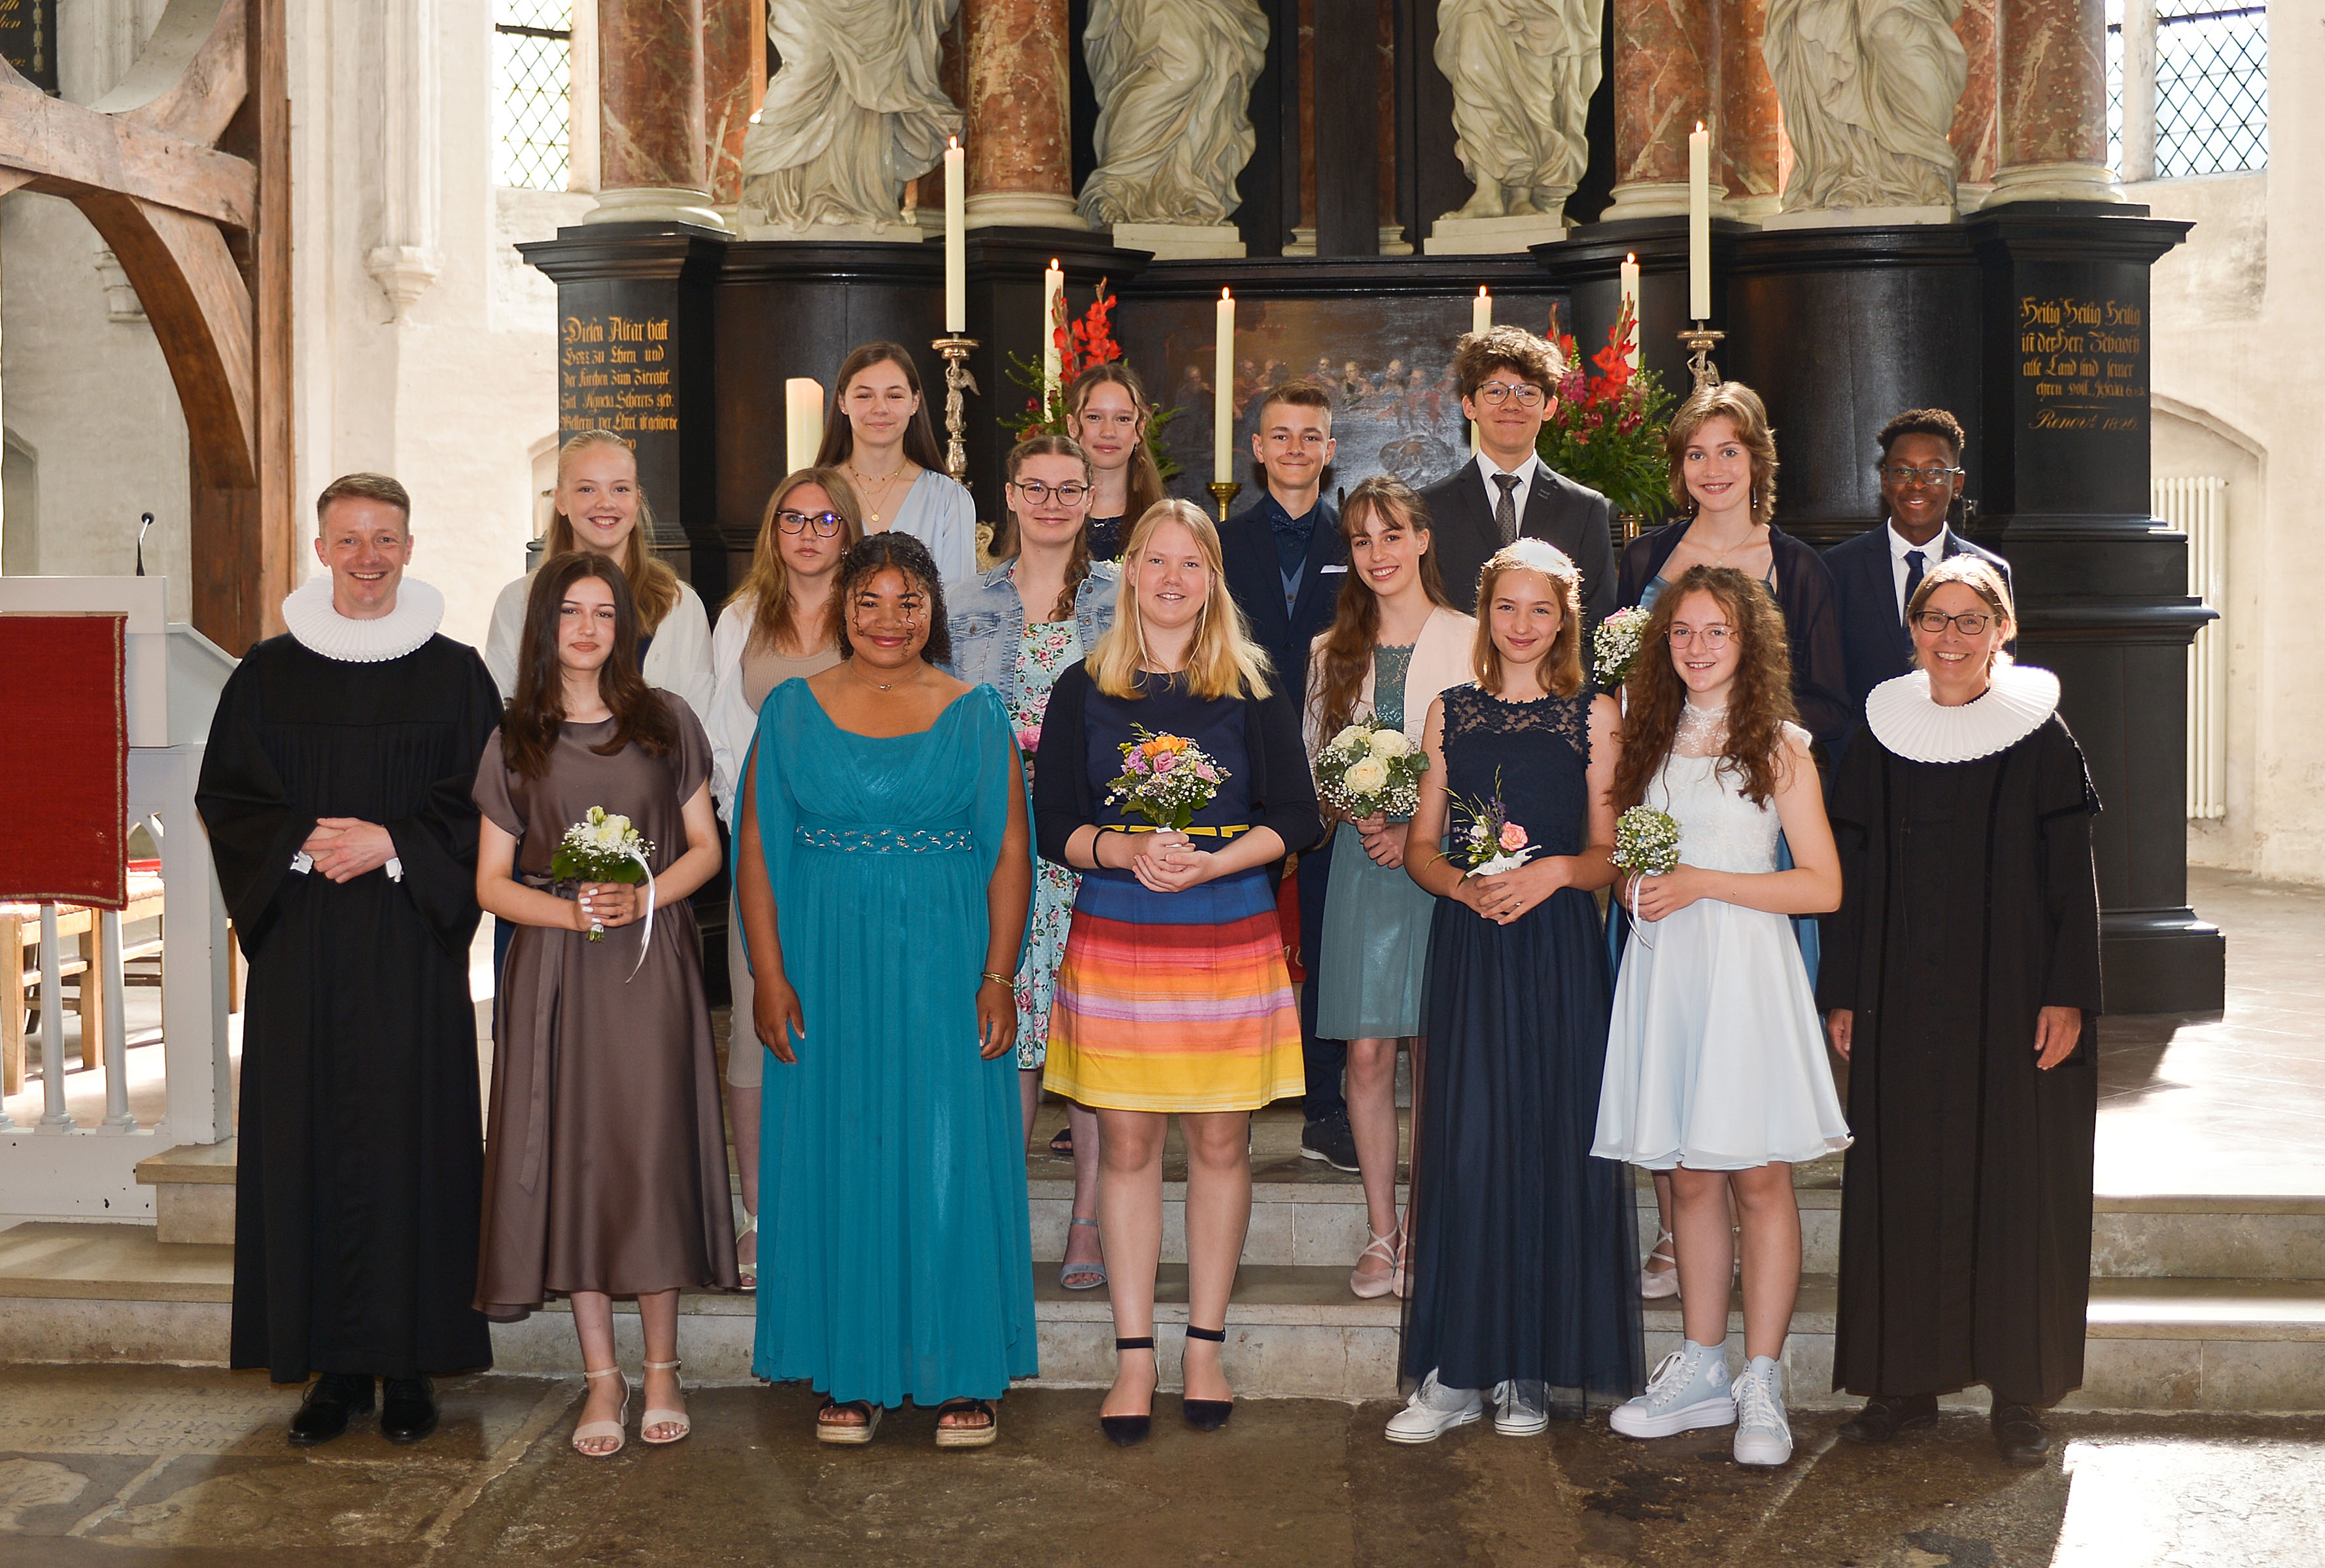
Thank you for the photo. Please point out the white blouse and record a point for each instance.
(678, 660)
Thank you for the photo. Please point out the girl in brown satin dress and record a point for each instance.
(605, 1160)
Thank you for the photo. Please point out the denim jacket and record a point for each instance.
(987, 621)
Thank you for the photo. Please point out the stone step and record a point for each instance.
(193, 1192)
(114, 1293)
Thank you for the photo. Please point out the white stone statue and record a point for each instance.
(1522, 72)
(1173, 81)
(1869, 89)
(853, 112)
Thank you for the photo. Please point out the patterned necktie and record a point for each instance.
(1505, 514)
(1914, 562)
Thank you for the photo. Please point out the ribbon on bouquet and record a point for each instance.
(646, 939)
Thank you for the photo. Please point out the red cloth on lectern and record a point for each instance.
(64, 794)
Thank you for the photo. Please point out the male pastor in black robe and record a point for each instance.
(336, 792)
(1968, 906)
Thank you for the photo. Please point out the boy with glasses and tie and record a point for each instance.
(1874, 573)
(1507, 379)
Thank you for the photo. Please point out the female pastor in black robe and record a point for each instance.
(1968, 906)
(360, 1157)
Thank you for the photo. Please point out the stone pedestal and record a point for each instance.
(1478, 237)
(2053, 97)
(652, 151)
(1179, 242)
(1858, 217)
(1019, 141)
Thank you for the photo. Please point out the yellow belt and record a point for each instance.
(1228, 831)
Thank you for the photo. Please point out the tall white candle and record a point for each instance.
(1481, 311)
(1053, 301)
(802, 421)
(1699, 224)
(1631, 307)
(1223, 392)
(955, 182)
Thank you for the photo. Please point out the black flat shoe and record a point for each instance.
(407, 1410)
(1887, 1415)
(1126, 1430)
(1207, 1414)
(330, 1399)
(2019, 1436)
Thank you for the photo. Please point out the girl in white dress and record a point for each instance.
(1716, 1068)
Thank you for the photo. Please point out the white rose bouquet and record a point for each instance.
(1368, 771)
(604, 847)
(1615, 646)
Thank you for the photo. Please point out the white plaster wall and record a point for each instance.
(2235, 379)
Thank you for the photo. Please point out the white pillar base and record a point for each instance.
(1180, 242)
(1643, 198)
(2054, 182)
(656, 204)
(1021, 209)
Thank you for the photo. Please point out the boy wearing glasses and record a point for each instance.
(1876, 573)
(1507, 378)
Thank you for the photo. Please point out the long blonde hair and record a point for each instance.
(653, 585)
(768, 588)
(1222, 661)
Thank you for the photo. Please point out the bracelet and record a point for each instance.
(1002, 980)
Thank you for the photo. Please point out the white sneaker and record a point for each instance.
(1689, 1390)
(1763, 1433)
(1516, 1415)
(1432, 1411)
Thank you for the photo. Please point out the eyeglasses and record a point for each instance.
(826, 524)
(1495, 393)
(1901, 475)
(1713, 637)
(1070, 493)
(1969, 623)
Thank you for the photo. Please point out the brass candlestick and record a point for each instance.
(957, 380)
(1224, 491)
(1700, 340)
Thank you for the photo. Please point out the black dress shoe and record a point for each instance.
(1330, 1141)
(1887, 1415)
(330, 1399)
(2019, 1436)
(1207, 1414)
(1126, 1430)
(407, 1410)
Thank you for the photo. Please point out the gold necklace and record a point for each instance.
(875, 685)
(864, 484)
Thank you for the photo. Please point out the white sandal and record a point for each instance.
(1660, 1284)
(747, 1273)
(590, 1431)
(1389, 1250)
(653, 1418)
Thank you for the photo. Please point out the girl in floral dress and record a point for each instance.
(1037, 611)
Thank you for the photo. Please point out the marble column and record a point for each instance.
(1019, 142)
(734, 81)
(1745, 161)
(653, 142)
(2052, 94)
(1666, 63)
(1978, 128)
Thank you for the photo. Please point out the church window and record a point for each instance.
(532, 70)
(2187, 87)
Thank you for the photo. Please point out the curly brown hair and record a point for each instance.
(875, 553)
(1759, 705)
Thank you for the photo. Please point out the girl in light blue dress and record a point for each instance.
(877, 433)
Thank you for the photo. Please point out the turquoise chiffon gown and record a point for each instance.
(892, 1166)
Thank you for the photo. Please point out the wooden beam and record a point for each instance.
(280, 520)
(193, 74)
(69, 149)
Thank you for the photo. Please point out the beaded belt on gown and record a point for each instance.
(886, 840)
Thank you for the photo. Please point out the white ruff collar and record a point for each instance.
(321, 629)
(1905, 720)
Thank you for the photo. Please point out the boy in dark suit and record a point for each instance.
(1285, 562)
(1874, 573)
(1507, 378)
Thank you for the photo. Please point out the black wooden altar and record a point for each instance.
(2029, 322)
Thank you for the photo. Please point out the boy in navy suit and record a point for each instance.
(1876, 573)
(1285, 562)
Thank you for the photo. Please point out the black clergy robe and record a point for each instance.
(1968, 904)
(360, 1153)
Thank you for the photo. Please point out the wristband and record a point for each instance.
(1002, 980)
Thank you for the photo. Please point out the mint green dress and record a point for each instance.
(891, 1168)
(1375, 943)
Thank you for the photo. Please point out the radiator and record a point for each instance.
(2198, 507)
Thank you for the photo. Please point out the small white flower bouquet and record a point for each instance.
(1491, 843)
(1646, 841)
(604, 847)
(1368, 771)
(1164, 778)
(1615, 646)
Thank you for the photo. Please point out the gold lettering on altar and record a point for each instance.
(613, 373)
(2085, 359)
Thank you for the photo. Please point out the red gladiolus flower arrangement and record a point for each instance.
(1607, 430)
